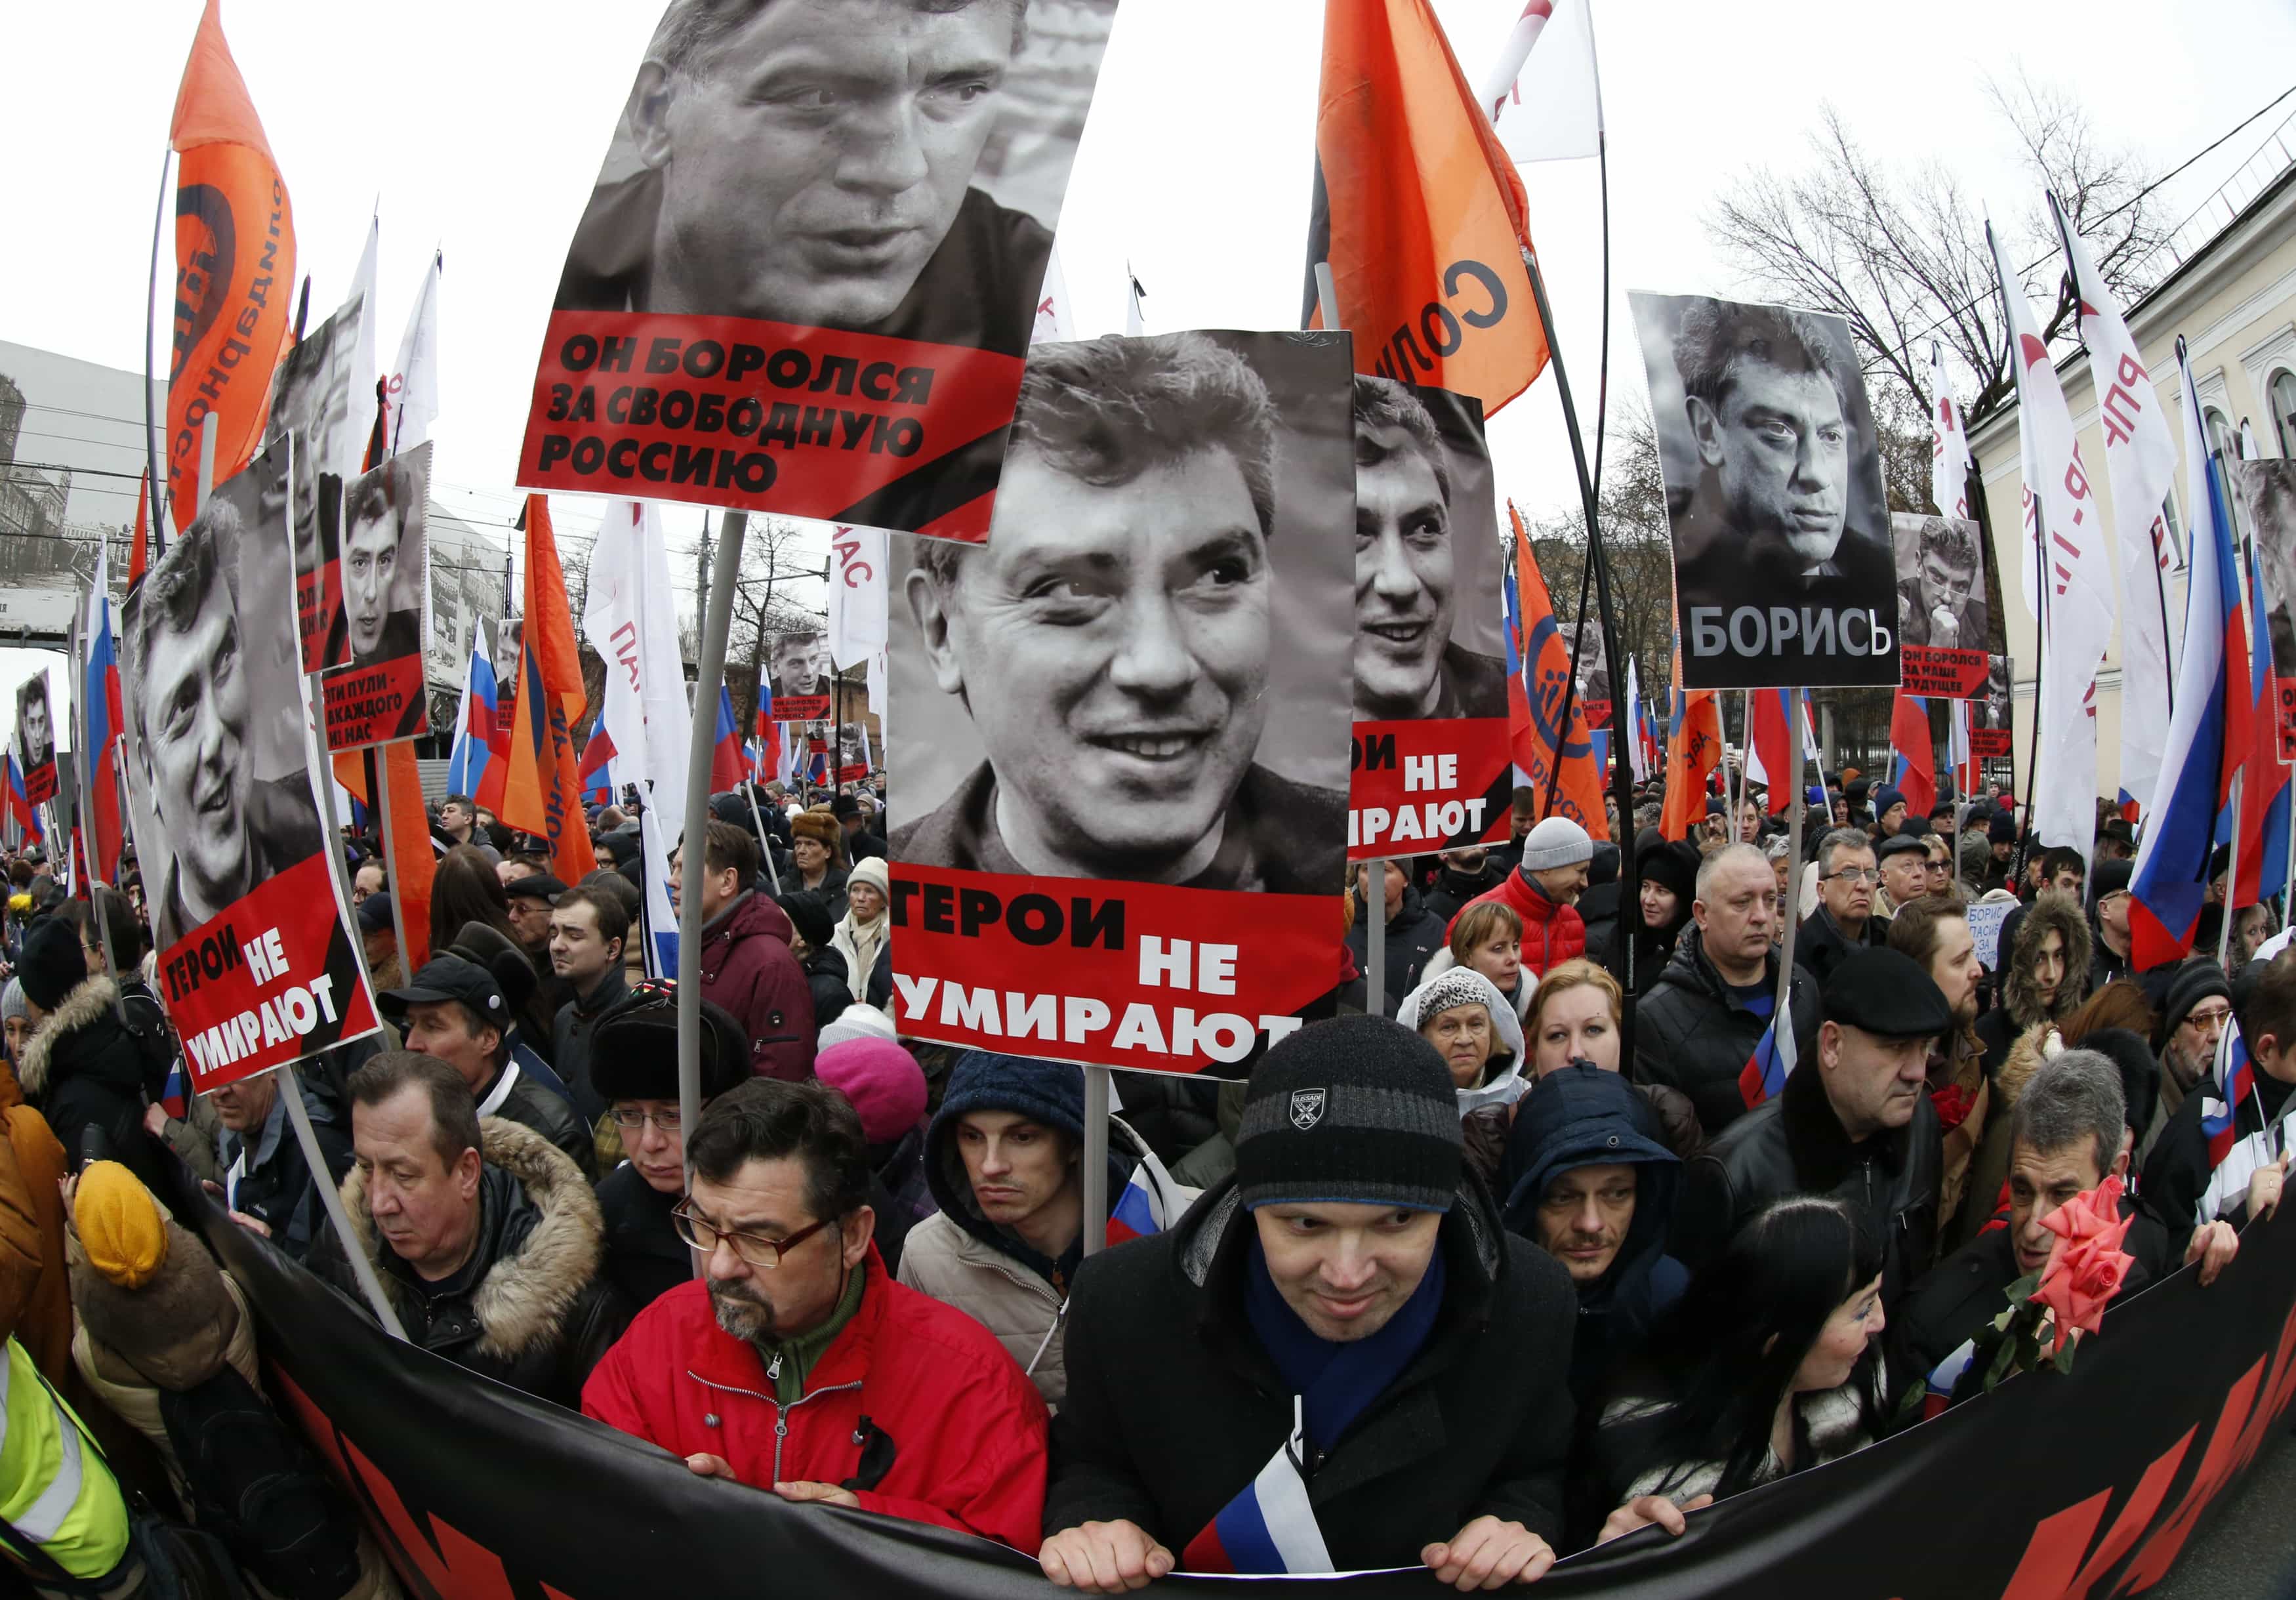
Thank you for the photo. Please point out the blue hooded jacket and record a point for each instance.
(1582, 1116)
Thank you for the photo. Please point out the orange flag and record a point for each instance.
(1693, 750)
(1534, 714)
(234, 266)
(542, 790)
(409, 859)
(136, 557)
(1419, 211)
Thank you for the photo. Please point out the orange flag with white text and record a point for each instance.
(1541, 737)
(234, 267)
(542, 790)
(1419, 210)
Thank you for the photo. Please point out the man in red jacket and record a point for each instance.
(1544, 891)
(746, 963)
(799, 1364)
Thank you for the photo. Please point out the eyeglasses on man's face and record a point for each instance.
(755, 1249)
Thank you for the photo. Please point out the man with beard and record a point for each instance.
(188, 691)
(1406, 570)
(1768, 411)
(851, 130)
(797, 1364)
(2193, 1015)
(1113, 643)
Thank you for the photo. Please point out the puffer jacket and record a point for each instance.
(83, 1069)
(747, 968)
(35, 1308)
(1693, 1034)
(532, 1308)
(911, 1407)
(961, 1258)
(1552, 934)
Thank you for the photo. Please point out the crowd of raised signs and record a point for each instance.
(1455, 1276)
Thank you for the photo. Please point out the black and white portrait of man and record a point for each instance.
(36, 726)
(383, 529)
(1940, 582)
(1774, 489)
(2267, 492)
(1426, 560)
(221, 805)
(1150, 651)
(848, 164)
(798, 665)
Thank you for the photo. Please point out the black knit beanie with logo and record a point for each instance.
(1358, 1110)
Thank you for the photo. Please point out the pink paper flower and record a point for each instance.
(2086, 1265)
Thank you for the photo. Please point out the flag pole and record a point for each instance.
(150, 330)
(2231, 877)
(1621, 780)
(379, 786)
(716, 622)
(1095, 1160)
(1790, 902)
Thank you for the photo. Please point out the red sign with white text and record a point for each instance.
(1987, 742)
(1945, 674)
(767, 416)
(1433, 784)
(271, 980)
(1104, 973)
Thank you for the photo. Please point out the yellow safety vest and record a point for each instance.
(55, 1491)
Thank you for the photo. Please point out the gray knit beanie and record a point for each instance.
(1356, 1110)
(1556, 842)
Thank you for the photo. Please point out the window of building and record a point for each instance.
(2283, 392)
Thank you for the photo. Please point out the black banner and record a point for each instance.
(2086, 1483)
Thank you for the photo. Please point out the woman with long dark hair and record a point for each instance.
(1768, 1365)
(465, 888)
(1667, 874)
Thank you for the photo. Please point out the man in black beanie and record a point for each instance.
(1337, 1360)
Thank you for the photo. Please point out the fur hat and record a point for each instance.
(817, 824)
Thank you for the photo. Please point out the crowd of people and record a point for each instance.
(1453, 1277)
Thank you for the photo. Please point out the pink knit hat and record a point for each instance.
(884, 1082)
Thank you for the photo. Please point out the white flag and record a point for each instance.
(2075, 582)
(1547, 102)
(365, 362)
(1135, 324)
(857, 595)
(414, 380)
(2140, 458)
(1055, 320)
(1948, 442)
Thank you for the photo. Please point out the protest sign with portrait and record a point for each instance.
(36, 738)
(380, 695)
(313, 406)
(1783, 566)
(1432, 766)
(807, 276)
(1942, 606)
(256, 965)
(1120, 727)
(798, 675)
(2267, 493)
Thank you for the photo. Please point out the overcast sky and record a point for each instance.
(478, 130)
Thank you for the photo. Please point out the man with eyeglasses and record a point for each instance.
(1698, 1027)
(2193, 1017)
(1844, 920)
(797, 1364)
(633, 1067)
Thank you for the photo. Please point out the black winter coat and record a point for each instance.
(1173, 1407)
(1820, 945)
(278, 1189)
(541, 1105)
(826, 977)
(82, 1068)
(1413, 936)
(1692, 1034)
(571, 1043)
(1794, 1145)
(644, 1257)
(1449, 893)
(531, 1308)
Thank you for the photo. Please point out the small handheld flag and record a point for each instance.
(1764, 1076)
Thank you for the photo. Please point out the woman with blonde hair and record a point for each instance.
(1576, 1016)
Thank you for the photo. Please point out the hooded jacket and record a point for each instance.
(1693, 1034)
(962, 1260)
(747, 968)
(1486, 1109)
(1582, 1116)
(1174, 1407)
(2021, 1006)
(913, 1406)
(530, 1307)
(1551, 933)
(1794, 1145)
(83, 1069)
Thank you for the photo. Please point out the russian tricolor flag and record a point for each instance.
(1915, 774)
(474, 729)
(1944, 1377)
(595, 773)
(727, 765)
(2235, 1077)
(1764, 1075)
(176, 1094)
(21, 809)
(100, 707)
(2208, 729)
(2263, 851)
(1770, 745)
(1269, 1527)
